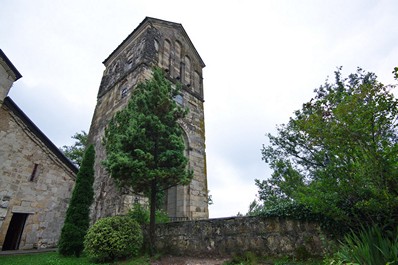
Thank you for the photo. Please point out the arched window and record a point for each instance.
(178, 196)
(186, 143)
(177, 59)
(196, 82)
(129, 62)
(187, 74)
(158, 55)
(166, 54)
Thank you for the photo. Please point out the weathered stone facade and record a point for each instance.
(36, 180)
(153, 43)
(236, 235)
(8, 75)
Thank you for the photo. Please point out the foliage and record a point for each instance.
(209, 198)
(53, 258)
(75, 152)
(113, 238)
(337, 155)
(290, 261)
(255, 208)
(248, 258)
(369, 246)
(141, 214)
(77, 218)
(295, 211)
(144, 144)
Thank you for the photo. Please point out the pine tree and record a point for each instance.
(144, 144)
(77, 218)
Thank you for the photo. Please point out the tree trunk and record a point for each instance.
(152, 219)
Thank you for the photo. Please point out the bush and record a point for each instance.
(369, 246)
(141, 214)
(113, 238)
(296, 211)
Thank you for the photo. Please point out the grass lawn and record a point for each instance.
(53, 258)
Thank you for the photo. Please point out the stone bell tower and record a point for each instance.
(165, 44)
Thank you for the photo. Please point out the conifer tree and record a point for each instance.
(77, 218)
(144, 144)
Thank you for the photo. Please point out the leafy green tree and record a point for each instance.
(255, 208)
(338, 153)
(144, 144)
(75, 152)
(77, 218)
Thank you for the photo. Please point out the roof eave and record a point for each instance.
(17, 111)
(10, 65)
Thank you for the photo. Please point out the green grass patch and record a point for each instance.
(53, 258)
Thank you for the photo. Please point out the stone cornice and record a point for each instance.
(149, 21)
(10, 68)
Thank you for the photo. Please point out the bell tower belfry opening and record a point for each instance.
(164, 44)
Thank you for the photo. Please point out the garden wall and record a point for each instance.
(237, 235)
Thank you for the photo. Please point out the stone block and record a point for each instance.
(4, 204)
(3, 213)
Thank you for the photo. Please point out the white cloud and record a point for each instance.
(231, 194)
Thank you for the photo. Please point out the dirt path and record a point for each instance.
(169, 260)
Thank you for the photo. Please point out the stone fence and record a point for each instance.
(237, 235)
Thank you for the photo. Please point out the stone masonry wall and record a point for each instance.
(237, 235)
(163, 44)
(5, 82)
(44, 198)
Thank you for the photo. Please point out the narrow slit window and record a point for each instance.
(124, 92)
(187, 79)
(34, 173)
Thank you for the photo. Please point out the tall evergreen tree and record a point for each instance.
(144, 144)
(77, 219)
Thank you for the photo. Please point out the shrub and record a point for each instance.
(113, 238)
(141, 214)
(369, 246)
(296, 211)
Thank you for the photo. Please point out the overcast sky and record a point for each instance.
(263, 61)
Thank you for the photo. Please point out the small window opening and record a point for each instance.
(34, 173)
(129, 64)
(124, 92)
(179, 99)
